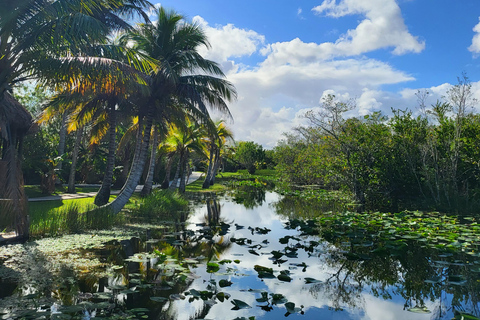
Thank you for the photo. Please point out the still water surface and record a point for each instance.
(240, 257)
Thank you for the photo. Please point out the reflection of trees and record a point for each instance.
(295, 207)
(385, 268)
(210, 241)
(250, 197)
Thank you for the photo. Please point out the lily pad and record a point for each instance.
(239, 304)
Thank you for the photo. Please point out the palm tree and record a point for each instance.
(182, 74)
(36, 37)
(103, 93)
(184, 139)
(218, 139)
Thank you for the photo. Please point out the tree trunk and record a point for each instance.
(103, 194)
(166, 180)
(216, 166)
(147, 187)
(15, 210)
(174, 183)
(61, 147)
(71, 178)
(206, 182)
(140, 157)
(184, 165)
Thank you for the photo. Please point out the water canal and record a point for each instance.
(248, 256)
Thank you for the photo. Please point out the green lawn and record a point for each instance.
(34, 191)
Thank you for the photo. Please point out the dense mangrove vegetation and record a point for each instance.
(422, 160)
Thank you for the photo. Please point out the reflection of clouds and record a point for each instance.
(319, 300)
(379, 309)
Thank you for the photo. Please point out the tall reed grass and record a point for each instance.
(161, 204)
(55, 218)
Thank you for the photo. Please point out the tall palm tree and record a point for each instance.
(181, 72)
(37, 38)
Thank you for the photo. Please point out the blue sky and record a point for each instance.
(283, 56)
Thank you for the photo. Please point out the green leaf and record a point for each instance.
(419, 310)
(239, 304)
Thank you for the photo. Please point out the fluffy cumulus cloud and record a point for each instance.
(290, 78)
(382, 27)
(229, 42)
(475, 47)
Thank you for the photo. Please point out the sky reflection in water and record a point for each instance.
(319, 300)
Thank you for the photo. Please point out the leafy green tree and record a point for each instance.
(249, 154)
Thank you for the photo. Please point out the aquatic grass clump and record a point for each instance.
(162, 204)
(72, 217)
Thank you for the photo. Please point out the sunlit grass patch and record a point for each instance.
(68, 216)
(197, 187)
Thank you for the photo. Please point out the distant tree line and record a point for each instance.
(429, 160)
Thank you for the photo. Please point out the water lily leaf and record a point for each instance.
(190, 261)
(239, 304)
(419, 310)
(290, 306)
(212, 267)
(464, 316)
(71, 309)
(158, 299)
(138, 310)
(433, 280)
(176, 296)
(221, 296)
(61, 316)
(259, 268)
(311, 280)
(264, 297)
(224, 283)
(267, 275)
(284, 277)
(278, 298)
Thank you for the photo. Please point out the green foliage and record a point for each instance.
(427, 162)
(162, 204)
(250, 155)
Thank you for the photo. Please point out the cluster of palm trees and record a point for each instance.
(103, 69)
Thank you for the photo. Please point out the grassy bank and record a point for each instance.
(56, 217)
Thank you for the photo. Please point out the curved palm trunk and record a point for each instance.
(216, 166)
(140, 157)
(104, 193)
(147, 187)
(73, 168)
(206, 182)
(166, 180)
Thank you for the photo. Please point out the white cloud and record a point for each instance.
(228, 42)
(383, 27)
(299, 14)
(475, 47)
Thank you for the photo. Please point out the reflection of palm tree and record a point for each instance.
(211, 242)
